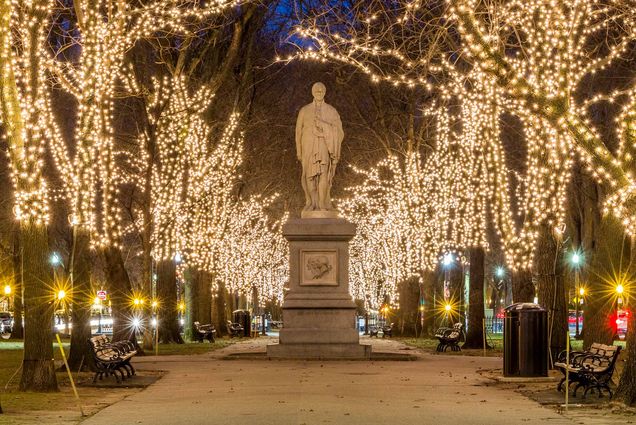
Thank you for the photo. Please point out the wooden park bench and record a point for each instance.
(235, 329)
(112, 358)
(591, 369)
(201, 332)
(449, 337)
(387, 330)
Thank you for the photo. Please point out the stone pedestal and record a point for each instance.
(318, 313)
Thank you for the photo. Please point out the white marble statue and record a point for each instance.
(318, 138)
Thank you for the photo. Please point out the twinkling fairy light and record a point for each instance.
(558, 46)
(99, 33)
(253, 252)
(24, 27)
(531, 56)
(194, 202)
(389, 243)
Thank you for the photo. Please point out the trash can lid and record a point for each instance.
(524, 306)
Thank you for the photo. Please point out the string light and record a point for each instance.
(513, 72)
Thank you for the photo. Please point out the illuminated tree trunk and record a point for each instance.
(476, 314)
(551, 290)
(38, 373)
(167, 294)
(25, 154)
(83, 295)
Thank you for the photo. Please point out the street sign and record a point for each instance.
(101, 295)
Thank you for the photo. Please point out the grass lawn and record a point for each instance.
(430, 344)
(495, 341)
(61, 407)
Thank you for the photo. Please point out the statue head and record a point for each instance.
(318, 90)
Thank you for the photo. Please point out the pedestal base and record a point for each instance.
(319, 351)
(318, 313)
(319, 214)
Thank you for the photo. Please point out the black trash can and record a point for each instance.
(244, 318)
(525, 340)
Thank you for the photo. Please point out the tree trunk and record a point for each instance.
(409, 296)
(609, 260)
(204, 298)
(522, 286)
(18, 329)
(429, 280)
(38, 370)
(220, 321)
(476, 315)
(551, 290)
(167, 294)
(80, 270)
(120, 292)
(626, 391)
(191, 309)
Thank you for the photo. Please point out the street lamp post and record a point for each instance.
(500, 272)
(447, 264)
(7, 294)
(61, 295)
(576, 262)
(619, 301)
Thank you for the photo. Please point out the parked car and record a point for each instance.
(621, 323)
(572, 322)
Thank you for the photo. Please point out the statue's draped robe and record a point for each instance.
(319, 150)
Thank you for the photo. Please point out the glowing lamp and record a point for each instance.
(7, 290)
(576, 259)
(448, 259)
(55, 259)
(581, 291)
(447, 307)
(499, 272)
(61, 294)
(619, 289)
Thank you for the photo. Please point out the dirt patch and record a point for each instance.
(584, 410)
(62, 407)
